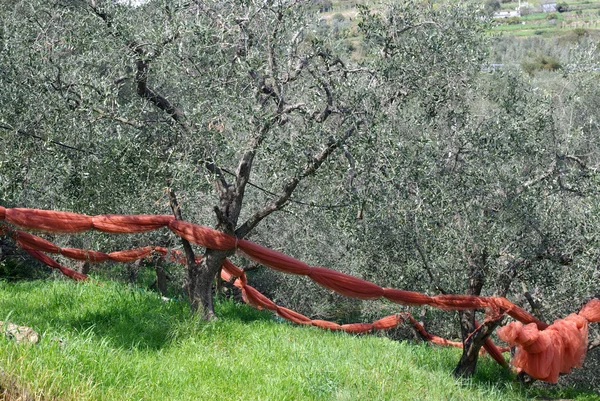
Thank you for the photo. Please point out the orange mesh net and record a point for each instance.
(591, 311)
(116, 223)
(26, 240)
(81, 254)
(406, 297)
(273, 259)
(48, 220)
(544, 351)
(345, 284)
(131, 254)
(544, 354)
(203, 236)
(55, 265)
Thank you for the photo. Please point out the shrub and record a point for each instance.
(541, 63)
(338, 17)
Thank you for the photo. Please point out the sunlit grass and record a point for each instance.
(111, 342)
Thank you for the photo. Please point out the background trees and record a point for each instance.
(406, 166)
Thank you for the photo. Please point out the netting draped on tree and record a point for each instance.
(543, 351)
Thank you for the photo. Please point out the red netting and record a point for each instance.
(406, 297)
(591, 311)
(55, 265)
(357, 328)
(459, 302)
(117, 223)
(541, 353)
(345, 284)
(82, 254)
(203, 236)
(327, 325)
(27, 240)
(495, 352)
(256, 299)
(230, 272)
(544, 354)
(234, 271)
(292, 316)
(520, 314)
(48, 220)
(273, 259)
(131, 254)
(388, 322)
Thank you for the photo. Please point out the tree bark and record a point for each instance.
(83, 267)
(161, 278)
(472, 342)
(134, 268)
(201, 291)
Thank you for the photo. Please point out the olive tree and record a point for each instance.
(175, 94)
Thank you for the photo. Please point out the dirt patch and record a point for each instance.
(9, 391)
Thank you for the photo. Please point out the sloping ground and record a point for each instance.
(109, 342)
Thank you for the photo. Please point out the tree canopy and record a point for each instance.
(399, 161)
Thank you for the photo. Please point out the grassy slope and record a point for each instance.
(110, 342)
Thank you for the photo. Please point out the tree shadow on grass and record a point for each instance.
(125, 317)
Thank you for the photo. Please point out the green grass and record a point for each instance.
(111, 342)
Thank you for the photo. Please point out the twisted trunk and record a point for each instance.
(472, 340)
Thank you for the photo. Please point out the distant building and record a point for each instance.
(506, 14)
(549, 7)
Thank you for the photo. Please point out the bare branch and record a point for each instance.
(141, 78)
(322, 116)
(26, 133)
(550, 173)
(221, 185)
(292, 183)
(581, 163)
(250, 183)
(291, 107)
(103, 113)
(535, 306)
(142, 66)
(212, 14)
(427, 268)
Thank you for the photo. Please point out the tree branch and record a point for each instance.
(141, 78)
(581, 163)
(550, 173)
(187, 247)
(221, 185)
(427, 269)
(103, 113)
(64, 145)
(292, 183)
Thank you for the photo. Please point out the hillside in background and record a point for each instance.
(517, 18)
(547, 18)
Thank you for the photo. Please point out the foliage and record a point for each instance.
(492, 6)
(541, 63)
(513, 21)
(406, 166)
